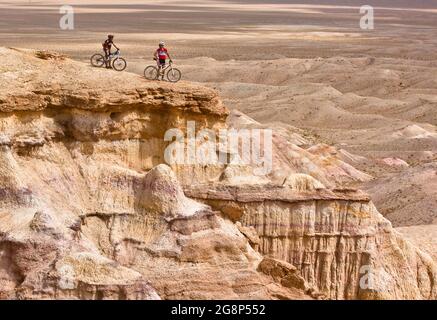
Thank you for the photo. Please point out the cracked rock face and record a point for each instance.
(89, 210)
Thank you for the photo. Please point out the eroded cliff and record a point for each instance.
(86, 211)
(89, 210)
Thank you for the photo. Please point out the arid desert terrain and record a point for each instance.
(367, 98)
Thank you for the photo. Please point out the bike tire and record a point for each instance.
(97, 60)
(174, 75)
(151, 73)
(119, 64)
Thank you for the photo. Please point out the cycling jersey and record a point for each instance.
(107, 44)
(162, 53)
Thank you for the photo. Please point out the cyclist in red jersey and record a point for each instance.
(161, 55)
(107, 45)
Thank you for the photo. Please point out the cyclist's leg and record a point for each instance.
(106, 57)
(162, 63)
(110, 56)
(158, 65)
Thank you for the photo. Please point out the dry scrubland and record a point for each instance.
(365, 98)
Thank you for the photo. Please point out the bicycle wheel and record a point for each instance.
(119, 64)
(174, 75)
(97, 60)
(151, 73)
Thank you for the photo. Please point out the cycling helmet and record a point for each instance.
(161, 43)
(110, 36)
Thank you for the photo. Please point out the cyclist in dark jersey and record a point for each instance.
(161, 55)
(107, 45)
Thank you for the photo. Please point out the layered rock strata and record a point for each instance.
(88, 210)
(337, 239)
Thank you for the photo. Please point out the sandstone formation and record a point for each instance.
(89, 210)
(332, 236)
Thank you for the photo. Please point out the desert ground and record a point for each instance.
(372, 94)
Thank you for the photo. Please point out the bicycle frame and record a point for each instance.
(165, 67)
(173, 74)
(114, 55)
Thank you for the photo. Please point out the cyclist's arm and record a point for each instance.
(115, 46)
(168, 54)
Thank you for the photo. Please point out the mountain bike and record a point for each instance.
(115, 61)
(154, 72)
